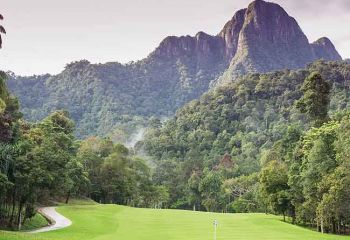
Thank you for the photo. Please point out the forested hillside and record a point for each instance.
(210, 154)
(104, 97)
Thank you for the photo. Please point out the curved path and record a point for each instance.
(57, 220)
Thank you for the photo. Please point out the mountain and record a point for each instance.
(102, 97)
(271, 40)
(324, 48)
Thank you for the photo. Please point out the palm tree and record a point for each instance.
(2, 30)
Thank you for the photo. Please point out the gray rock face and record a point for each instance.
(323, 48)
(261, 38)
(271, 40)
(206, 48)
(203, 51)
(230, 33)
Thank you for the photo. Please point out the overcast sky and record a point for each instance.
(44, 35)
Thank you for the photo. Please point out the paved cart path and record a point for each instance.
(58, 221)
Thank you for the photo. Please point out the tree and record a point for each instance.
(169, 174)
(274, 185)
(333, 210)
(318, 161)
(244, 191)
(9, 112)
(2, 30)
(115, 175)
(55, 150)
(315, 100)
(211, 191)
(317, 180)
(28, 179)
(194, 195)
(78, 179)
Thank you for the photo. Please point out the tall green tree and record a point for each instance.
(9, 112)
(211, 190)
(78, 179)
(274, 185)
(194, 195)
(316, 98)
(56, 149)
(244, 191)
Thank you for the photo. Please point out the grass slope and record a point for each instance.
(109, 222)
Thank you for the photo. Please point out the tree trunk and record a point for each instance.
(19, 217)
(68, 196)
(13, 209)
(20, 221)
(334, 229)
(293, 215)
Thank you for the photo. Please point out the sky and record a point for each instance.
(44, 35)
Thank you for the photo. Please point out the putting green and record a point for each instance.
(111, 222)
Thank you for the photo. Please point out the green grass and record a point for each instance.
(111, 222)
(35, 222)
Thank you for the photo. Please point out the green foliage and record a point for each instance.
(315, 100)
(9, 112)
(210, 188)
(35, 222)
(274, 185)
(244, 191)
(104, 97)
(309, 181)
(37, 161)
(116, 176)
(36, 166)
(43, 161)
(253, 119)
(2, 106)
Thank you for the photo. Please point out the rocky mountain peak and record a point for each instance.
(230, 33)
(323, 48)
(260, 38)
(200, 45)
(270, 39)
